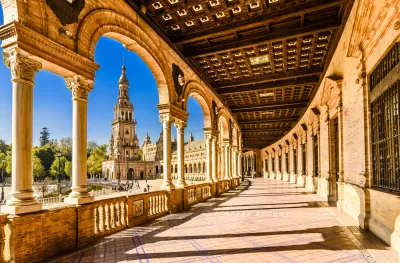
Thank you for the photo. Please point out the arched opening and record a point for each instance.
(131, 174)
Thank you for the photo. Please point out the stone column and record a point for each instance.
(180, 128)
(80, 88)
(208, 158)
(240, 169)
(310, 159)
(166, 120)
(214, 153)
(23, 70)
(235, 174)
(226, 154)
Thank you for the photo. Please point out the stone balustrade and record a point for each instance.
(65, 227)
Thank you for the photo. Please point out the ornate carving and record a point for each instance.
(22, 67)
(67, 11)
(180, 126)
(179, 79)
(79, 86)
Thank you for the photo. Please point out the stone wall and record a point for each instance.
(35, 236)
(344, 93)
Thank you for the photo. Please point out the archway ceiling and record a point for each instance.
(265, 58)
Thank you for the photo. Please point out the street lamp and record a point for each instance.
(59, 170)
(2, 180)
(119, 169)
(127, 173)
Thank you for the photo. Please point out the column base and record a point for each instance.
(22, 209)
(209, 181)
(167, 186)
(79, 200)
(181, 184)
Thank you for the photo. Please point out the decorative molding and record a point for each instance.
(16, 35)
(22, 67)
(175, 111)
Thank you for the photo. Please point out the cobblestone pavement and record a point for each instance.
(261, 221)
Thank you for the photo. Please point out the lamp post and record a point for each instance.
(2, 180)
(119, 169)
(127, 173)
(59, 170)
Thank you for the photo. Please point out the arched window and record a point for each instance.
(176, 168)
(124, 92)
(162, 169)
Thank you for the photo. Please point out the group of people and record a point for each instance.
(126, 186)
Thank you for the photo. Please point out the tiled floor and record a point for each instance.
(261, 221)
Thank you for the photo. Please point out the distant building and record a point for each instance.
(124, 141)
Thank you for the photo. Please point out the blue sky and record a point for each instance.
(53, 105)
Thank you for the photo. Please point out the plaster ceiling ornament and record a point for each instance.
(66, 10)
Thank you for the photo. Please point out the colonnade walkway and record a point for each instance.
(263, 220)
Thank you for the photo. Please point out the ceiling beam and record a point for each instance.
(257, 21)
(313, 72)
(282, 34)
(268, 121)
(277, 106)
(264, 130)
(300, 81)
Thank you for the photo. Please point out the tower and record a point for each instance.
(124, 138)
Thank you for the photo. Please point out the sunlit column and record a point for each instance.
(226, 154)
(80, 88)
(166, 120)
(214, 162)
(180, 128)
(208, 158)
(23, 70)
(234, 164)
(240, 163)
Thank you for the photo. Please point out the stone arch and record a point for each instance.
(103, 22)
(195, 90)
(223, 121)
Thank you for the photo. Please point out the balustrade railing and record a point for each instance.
(192, 195)
(50, 200)
(110, 215)
(158, 204)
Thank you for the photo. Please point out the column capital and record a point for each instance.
(79, 86)
(23, 68)
(179, 125)
(166, 118)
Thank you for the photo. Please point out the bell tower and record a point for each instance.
(124, 138)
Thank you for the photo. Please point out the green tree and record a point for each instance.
(90, 147)
(95, 161)
(38, 168)
(44, 137)
(68, 169)
(54, 166)
(46, 155)
(65, 147)
(4, 147)
(8, 163)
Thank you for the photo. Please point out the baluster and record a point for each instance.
(107, 209)
(166, 203)
(101, 218)
(157, 204)
(112, 216)
(150, 206)
(96, 220)
(117, 214)
(123, 221)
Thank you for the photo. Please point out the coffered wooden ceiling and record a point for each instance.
(265, 58)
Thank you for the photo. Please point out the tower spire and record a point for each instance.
(123, 79)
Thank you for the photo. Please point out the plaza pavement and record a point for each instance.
(263, 220)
